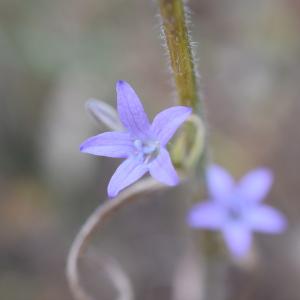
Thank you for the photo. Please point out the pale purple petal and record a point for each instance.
(131, 110)
(167, 122)
(111, 144)
(220, 183)
(104, 113)
(208, 215)
(267, 219)
(255, 185)
(162, 169)
(128, 172)
(238, 238)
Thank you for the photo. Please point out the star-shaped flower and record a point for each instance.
(141, 143)
(236, 209)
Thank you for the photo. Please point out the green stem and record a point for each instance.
(180, 52)
(184, 74)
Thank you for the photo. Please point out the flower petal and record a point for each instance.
(162, 169)
(111, 144)
(265, 218)
(220, 183)
(131, 110)
(128, 172)
(255, 185)
(207, 215)
(104, 113)
(238, 238)
(167, 122)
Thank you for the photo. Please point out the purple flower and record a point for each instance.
(236, 209)
(141, 143)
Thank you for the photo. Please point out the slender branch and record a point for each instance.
(96, 220)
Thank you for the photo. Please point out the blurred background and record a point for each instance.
(54, 55)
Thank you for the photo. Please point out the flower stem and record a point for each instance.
(180, 52)
(181, 57)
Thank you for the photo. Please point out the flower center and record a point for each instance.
(148, 150)
(234, 214)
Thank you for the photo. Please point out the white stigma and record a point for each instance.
(147, 149)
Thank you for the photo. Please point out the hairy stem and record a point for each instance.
(94, 222)
(184, 74)
(180, 52)
(182, 63)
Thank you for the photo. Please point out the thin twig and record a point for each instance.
(96, 220)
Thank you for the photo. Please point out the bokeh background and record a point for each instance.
(54, 55)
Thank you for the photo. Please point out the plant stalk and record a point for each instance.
(181, 57)
(180, 52)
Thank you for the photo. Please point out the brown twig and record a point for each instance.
(96, 220)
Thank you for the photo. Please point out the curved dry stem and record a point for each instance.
(96, 220)
(114, 272)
